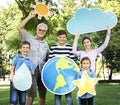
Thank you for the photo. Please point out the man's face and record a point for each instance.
(61, 39)
(41, 31)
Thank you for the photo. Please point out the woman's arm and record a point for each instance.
(74, 48)
(105, 44)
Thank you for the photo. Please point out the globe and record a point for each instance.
(58, 74)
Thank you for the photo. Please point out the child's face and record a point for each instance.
(25, 49)
(85, 65)
(62, 39)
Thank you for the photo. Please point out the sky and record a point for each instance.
(5, 2)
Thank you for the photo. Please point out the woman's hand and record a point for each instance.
(77, 37)
(108, 31)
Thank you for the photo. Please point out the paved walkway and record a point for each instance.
(6, 82)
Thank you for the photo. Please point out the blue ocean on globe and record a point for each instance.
(58, 74)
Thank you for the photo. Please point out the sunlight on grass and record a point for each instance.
(107, 94)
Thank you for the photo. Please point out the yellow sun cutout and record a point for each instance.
(41, 9)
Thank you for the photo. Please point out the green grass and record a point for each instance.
(107, 94)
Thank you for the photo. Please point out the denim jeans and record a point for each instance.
(68, 97)
(15, 94)
(79, 101)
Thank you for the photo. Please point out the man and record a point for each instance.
(62, 49)
(39, 54)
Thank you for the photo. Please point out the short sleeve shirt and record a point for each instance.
(19, 60)
(39, 49)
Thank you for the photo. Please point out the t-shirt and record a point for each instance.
(65, 51)
(19, 60)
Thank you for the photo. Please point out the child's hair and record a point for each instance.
(86, 37)
(61, 32)
(24, 43)
(85, 58)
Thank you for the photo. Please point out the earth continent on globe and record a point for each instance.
(58, 74)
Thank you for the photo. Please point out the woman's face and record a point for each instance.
(87, 44)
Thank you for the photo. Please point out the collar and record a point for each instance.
(20, 56)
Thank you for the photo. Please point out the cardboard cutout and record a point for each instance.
(86, 20)
(41, 9)
(86, 84)
(58, 74)
(22, 79)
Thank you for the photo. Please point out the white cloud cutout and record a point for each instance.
(91, 20)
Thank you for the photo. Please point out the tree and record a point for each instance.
(9, 41)
(111, 54)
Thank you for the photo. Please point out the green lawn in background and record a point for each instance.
(107, 94)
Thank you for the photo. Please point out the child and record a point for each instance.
(62, 49)
(86, 99)
(15, 64)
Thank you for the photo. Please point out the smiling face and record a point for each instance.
(25, 48)
(87, 44)
(85, 65)
(61, 39)
(41, 31)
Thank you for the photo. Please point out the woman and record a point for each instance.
(88, 51)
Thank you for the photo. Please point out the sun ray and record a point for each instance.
(41, 9)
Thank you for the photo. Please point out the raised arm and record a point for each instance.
(24, 22)
(74, 49)
(105, 44)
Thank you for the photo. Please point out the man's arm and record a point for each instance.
(24, 22)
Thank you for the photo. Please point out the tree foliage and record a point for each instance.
(57, 20)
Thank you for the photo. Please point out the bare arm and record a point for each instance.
(24, 22)
(12, 72)
(104, 45)
(74, 49)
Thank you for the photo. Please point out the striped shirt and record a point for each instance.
(65, 51)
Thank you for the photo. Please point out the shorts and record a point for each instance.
(37, 84)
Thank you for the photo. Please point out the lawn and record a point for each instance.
(107, 94)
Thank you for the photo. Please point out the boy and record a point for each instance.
(65, 50)
(15, 64)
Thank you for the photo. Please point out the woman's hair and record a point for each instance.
(85, 58)
(86, 37)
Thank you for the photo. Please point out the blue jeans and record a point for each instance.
(79, 101)
(15, 94)
(68, 97)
